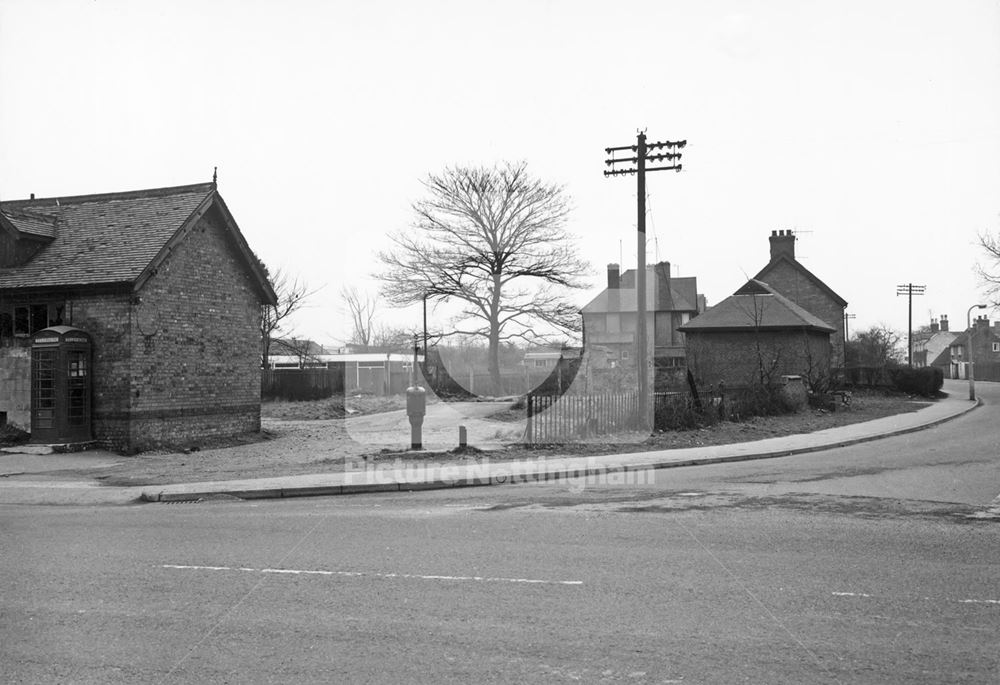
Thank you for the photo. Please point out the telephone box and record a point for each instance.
(60, 385)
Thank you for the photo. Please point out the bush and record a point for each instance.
(10, 436)
(680, 412)
(925, 381)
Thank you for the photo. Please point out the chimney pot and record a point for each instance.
(782, 244)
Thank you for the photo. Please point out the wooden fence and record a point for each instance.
(302, 384)
(558, 418)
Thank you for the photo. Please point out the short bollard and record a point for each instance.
(463, 437)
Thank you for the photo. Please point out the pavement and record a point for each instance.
(635, 468)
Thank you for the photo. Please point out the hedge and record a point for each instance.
(925, 381)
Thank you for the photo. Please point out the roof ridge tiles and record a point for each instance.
(33, 203)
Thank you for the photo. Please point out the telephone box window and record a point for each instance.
(43, 387)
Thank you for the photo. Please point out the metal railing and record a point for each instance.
(558, 418)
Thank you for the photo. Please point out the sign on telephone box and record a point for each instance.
(61, 385)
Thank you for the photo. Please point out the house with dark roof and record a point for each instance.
(789, 277)
(610, 322)
(934, 348)
(170, 294)
(755, 336)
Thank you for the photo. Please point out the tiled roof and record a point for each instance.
(32, 223)
(100, 239)
(683, 295)
(755, 306)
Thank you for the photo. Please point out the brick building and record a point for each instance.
(783, 321)
(610, 321)
(979, 344)
(787, 276)
(169, 291)
(934, 348)
(754, 337)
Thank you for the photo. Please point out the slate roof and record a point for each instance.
(683, 295)
(755, 300)
(110, 238)
(32, 223)
(797, 265)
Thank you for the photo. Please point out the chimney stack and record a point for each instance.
(782, 244)
(664, 297)
(944, 323)
(614, 277)
(934, 326)
(614, 284)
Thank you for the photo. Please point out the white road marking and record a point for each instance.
(928, 599)
(355, 574)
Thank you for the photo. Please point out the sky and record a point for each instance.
(871, 128)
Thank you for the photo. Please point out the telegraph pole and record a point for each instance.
(642, 155)
(910, 290)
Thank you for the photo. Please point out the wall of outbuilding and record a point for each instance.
(803, 291)
(736, 357)
(195, 365)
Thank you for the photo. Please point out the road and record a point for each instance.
(858, 565)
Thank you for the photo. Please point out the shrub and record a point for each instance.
(925, 381)
(680, 412)
(10, 436)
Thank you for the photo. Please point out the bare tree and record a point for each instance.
(767, 356)
(361, 307)
(990, 275)
(874, 350)
(493, 239)
(292, 295)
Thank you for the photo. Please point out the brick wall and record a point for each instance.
(195, 368)
(803, 291)
(105, 316)
(732, 357)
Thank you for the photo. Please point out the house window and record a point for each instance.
(996, 347)
(24, 320)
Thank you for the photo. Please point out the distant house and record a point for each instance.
(610, 320)
(980, 344)
(170, 294)
(934, 349)
(754, 337)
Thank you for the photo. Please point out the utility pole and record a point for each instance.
(910, 290)
(642, 154)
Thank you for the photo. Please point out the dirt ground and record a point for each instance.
(303, 437)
